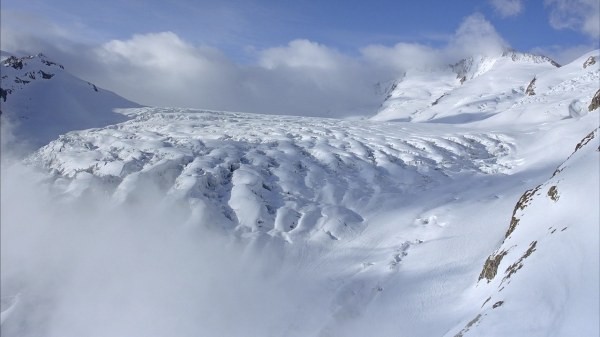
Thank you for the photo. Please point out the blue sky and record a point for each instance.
(299, 57)
(236, 26)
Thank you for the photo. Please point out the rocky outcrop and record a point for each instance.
(4, 93)
(526, 57)
(13, 62)
(530, 91)
(589, 62)
(595, 101)
(490, 267)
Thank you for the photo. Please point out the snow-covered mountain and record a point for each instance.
(43, 100)
(480, 87)
(482, 224)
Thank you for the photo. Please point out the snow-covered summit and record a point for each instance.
(474, 66)
(480, 87)
(43, 100)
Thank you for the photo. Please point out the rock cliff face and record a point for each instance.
(530, 91)
(589, 62)
(595, 101)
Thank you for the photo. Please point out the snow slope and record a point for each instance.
(480, 87)
(364, 227)
(43, 100)
(551, 262)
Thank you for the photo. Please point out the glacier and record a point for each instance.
(187, 222)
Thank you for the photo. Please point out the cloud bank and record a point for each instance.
(302, 77)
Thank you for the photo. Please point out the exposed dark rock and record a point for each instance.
(513, 268)
(595, 101)
(585, 140)
(439, 98)
(4, 94)
(21, 81)
(13, 62)
(530, 91)
(579, 145)
(391, 90)
(462, 79)
(49, 63)
(553, 193)
(589, 62)
(521, 204)
(519, 56)
(46, 76)
(497, 304)
(468, 326)
(488, 299)
(490, 267)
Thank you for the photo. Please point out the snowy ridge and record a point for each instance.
(62, 102)
(551, 256)
(474, 66)
(482, 87)
(282, 175)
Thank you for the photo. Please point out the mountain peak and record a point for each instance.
(517, 56)
(19, 62)
(476, 65)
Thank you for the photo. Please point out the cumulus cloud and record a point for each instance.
(301, 77)
(302, 54)
(507, 8)
(476, 35)
(162, 69)
(403, 56)
(580, 15)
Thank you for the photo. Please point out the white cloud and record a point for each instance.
(476, 35)
(301, 78)
(403, 56)
(302, 54)
(507, 8)
(580, 15)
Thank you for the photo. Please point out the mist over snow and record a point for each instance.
(89, 266)
(437, 183)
